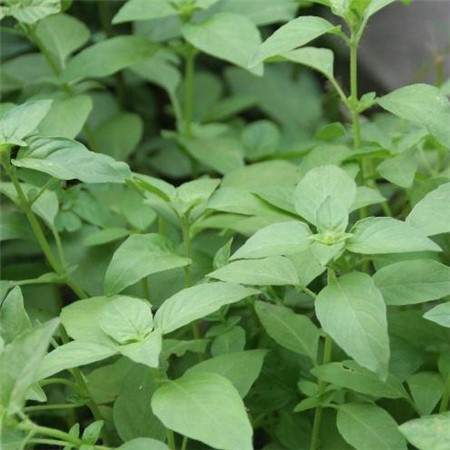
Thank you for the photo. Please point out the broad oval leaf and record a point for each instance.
(241, 368)
(139, 256)
(108, 57)
(196, 302)
(429, 432)
(231, 37)
(70, 160)
(292, 331)
(352, 311)
(294, 34)
(378, 235)
(318, 184)
(273, 270)
(278, 239)
(135, 10)
(432, 214)
(367, 427)
(411, 282)
(198, 395)
(320, 59)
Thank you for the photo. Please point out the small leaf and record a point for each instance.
(135, 10)
(294, 34)
(367, 427)
(198, 395)
(440, 314)
(126, 319)
(105, 236)
(139, 256)
(426, 389)
(108, 57)
(429, 432)
(320, 59)
(196, 302)
(146, 351)
(432, 214)
(273, 270)
(352, 311)
(91, 433)
(13, 317)
(292, 331)
(143, 444)
(32, 10)
(410, 282)
(275, 240)
(400, 169)
(378, 235)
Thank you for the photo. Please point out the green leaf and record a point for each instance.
(108, 57)
(410, 282)
(66, 117)
(352, 311)
(273, 270)
(133, 417)
(294, 34)
(60, 35)
(118, 136)
(429, 432)
(196, 302)
(400, 169)
(192, 196)
(366, 427)
(351, 376)
(13, 317)
(105, 236)
(366, 196)
(91, 433)
(143, 444)
(231, 37)
(135, 10)
(139, 256)
(320, 59)
(73, 354)
(440, 314)
(31, 11)
(70, 160)
(260, 138)
(198, 395)
(292, 331)
(378, 235)
(426, 389)
(19, 122)
(431, 215)
(20, 362)
(241, 368)
(126, 319)
(320, 183)
(423, 104)
(146, 351)
(274, 240)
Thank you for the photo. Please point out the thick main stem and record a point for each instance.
(354, 92)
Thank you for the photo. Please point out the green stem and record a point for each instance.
(170, 439)
(54, 406)
(51, 432)
(145, 289)
(186, 232)
(354, 92)
(443, 407)
(184, 443)
(188, 90)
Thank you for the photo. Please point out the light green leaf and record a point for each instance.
(367, 427)
(294, 34)
(241, 368)
(135, 10)
(320, 59)
(70, 160)
(410, 282)
(60, 35)
(146, 351)
(440, 314)
(378, 235)
(292, 331)
(191, 197)
(105, 236)
(198, 395)
(196, 302)
(13, 317)
(366, 196)
(273, 270)
(320, 183)
(66, 117)
(32, 10)
(350, 375)
(19, 122)
(108, 57)
(352, 311)
(20, 362)
(260, 138)
(274, 240)
(400, 169)
(374, 6)
(423, 104)
(429, 432)
(332, 220)
(432, 214)
(126, 319)
(73, 354)
(426, 389)
(227, 36)
(143, 444)
(139, 256)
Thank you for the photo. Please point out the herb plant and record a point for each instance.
(243, 269)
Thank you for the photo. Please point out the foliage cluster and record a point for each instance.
(207, 242)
